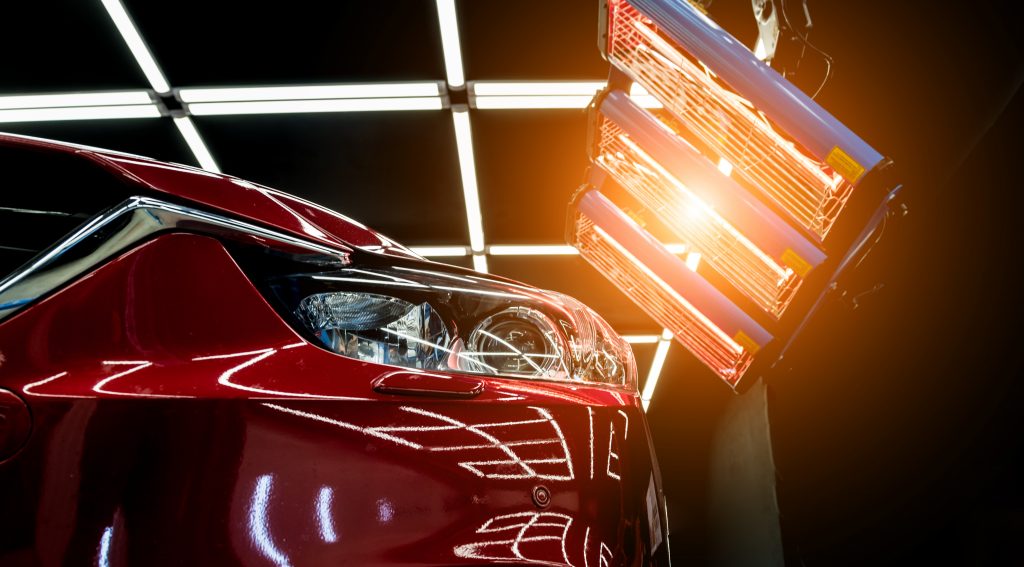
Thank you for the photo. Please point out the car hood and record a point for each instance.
(230, 195)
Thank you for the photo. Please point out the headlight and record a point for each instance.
(434, 320)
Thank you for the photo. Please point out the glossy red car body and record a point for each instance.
(176, 418)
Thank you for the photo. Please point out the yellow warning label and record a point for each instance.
(746, 342)
(794, 261)
(845, 165)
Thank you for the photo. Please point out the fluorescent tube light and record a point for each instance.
(440, 251)
(534, 94)
(547, 102)
(537, 88)
(310, 92)
(121, 98)
(138, 47)
(450, 43)
(480, 263)
(195, 143)
(467, 166)
(660, 354)
(79, 113)
(532, 250)
(311, 106)
(532, 102)
(506, 95)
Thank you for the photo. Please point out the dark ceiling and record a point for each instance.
(897, 431)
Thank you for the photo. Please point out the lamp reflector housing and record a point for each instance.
(700, 317)
(780, 143)
(746, 243)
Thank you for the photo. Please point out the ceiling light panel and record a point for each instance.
(521, 95)
(470, 191)
(195, 143)
(658, 364)
(536, 88)
(311, 92)
(450, 43)
(532, 250)
(440, 251)
(78, 113)
(314, 106)
(62, 100)
(138, 47)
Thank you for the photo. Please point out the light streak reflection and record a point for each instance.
(496, 449)
(605, 558)
(257, 356)
(612, 455)
(259, 522)
(104, 552)
(29, 387)
(324, 517)
(520, 537)
(590, 417)
(136, 366)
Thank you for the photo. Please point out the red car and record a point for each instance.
(196, 369)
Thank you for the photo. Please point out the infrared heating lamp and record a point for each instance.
(698, 315)
(775, 196)
(780, 143)
(747, 244)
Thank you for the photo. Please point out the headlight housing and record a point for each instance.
(436, 320)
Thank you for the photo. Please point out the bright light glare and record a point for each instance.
(75, 99)
(693, 261)
(725, 167)
(450, 42)
(759, 49)
(440, 251)
(641, 96)
(467, 166)
(671, 291)
(79, 113)
(301, 106)
(660, 354)
(131, 36)
(195, 143)
(310, 92)
(532, 250)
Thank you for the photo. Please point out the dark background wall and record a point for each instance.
(897, 433)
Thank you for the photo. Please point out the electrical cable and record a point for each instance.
(803, 38)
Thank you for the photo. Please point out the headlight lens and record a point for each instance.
(375, 328)
(433, 320)
(520, 341)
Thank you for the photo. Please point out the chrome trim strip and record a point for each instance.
(145, 217)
